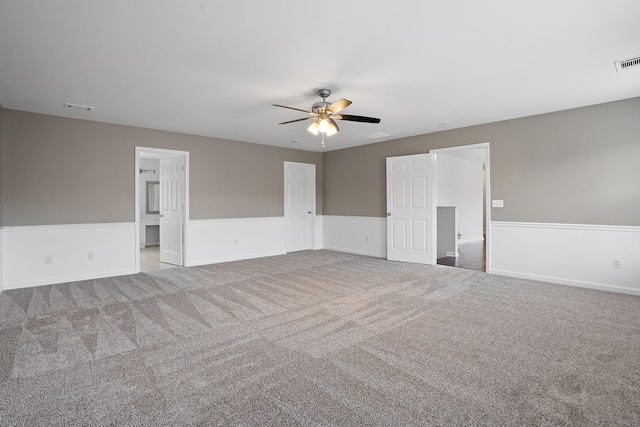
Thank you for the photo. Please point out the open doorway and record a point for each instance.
(462, 197)
(161, 208)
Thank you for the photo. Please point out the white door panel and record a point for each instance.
(299, 208)
(399, 234)
(410, 209)
(171, 210)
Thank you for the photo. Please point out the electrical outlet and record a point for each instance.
(617, 263)
(48, 259)
(497, 203)
(90, 256)
(366, 239)
(236, 243)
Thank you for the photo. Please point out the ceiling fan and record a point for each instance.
(324, 115)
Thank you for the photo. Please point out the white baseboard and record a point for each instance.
(355, 234)
(453, 254)
(569, 254)
(568, 282)
(220, 240)
(24, 250)
(354, 251)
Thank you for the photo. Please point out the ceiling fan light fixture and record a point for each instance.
(314, 128)
(324, 126)
(333, 127)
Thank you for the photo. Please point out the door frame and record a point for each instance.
(160, 153)
(312, 166)
(487, 196)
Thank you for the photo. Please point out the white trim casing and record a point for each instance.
(112, 246)
(360, 235)
(569, 254)
(220, 240)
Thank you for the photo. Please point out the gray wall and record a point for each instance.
(66, 171)
(576, 166)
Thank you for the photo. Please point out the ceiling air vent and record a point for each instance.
(627, 63)
(374, 135)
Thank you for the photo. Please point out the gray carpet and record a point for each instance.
(318, 338)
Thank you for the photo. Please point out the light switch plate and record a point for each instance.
(497, 203)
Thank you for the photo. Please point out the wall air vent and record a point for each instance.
(627, 63)
(78, 106)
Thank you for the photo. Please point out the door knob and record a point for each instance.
(309, 212)
(160, 215)
(388, 213)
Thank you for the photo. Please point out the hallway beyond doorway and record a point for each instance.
(472, 256)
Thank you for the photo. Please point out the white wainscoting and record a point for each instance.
(219, 240)
(363, 235)
(569, 254)
(318, 242)
(578, 255)
(24, 250)
(1, 266)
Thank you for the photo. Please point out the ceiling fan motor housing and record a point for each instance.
(320, 107)
(323, 93)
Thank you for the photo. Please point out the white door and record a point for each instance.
(410, 209)
(171, 210)
(299, 205)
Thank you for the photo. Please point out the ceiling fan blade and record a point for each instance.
(291, 108)
(339, 105)
(350, 118)
(297, 120)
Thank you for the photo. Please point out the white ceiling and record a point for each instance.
(214, 68)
